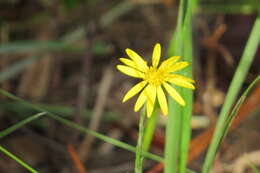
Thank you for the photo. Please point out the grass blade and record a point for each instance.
(187, 94)
(18, 160)
(177, 140)
(236, 83)
(234, 111)
(80, 128)
(18, 125)
(16, 68)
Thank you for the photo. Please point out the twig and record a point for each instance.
(84, 79)
(103, 90)
(77, 162)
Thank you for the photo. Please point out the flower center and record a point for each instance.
(154, 76)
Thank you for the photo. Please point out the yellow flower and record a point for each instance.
(155, 79)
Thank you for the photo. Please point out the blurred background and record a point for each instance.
(61, 55)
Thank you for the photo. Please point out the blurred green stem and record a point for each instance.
(149, 129)
(139, 147)
(12, 156)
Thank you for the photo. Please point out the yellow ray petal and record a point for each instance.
(174, 94)
(128, 62)
(151, 96)
(156, 55)
(134, 90)
(130, 71)
(142, 65)
(181, 83)
(162, 100)
(176, 76)
(140, 101)
(178, 66)
(169, 62)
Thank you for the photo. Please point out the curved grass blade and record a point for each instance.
(241, 71)
(11, 71)
(237, 107)
(16, 126)
(18, 160)
(80, 128)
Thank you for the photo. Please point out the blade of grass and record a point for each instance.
(18, 67)
(234, 8)
(236, 108)
(36, 46)
(236, 83)
(139, 147)
(64, 111)
(174, 123)
(80, 128)
(172, 144)
(187, 94)
(18, 125)
(253, 167)
(116, 12)
(18, 160)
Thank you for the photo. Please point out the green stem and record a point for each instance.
(139, 147)
(12, 156)
(149, 130)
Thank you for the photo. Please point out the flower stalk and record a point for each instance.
(139, 147)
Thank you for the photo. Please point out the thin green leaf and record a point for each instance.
(11, 71)
(175, 118)
(18, 125)
(64, 111)
(236, 108)
(236, 83)
(18, 160)
(80, 128)
(187, 94)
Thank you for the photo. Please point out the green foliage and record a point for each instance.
(18, 160)
(80, 128)
(178, 127)
(233, 91)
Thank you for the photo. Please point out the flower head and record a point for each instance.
(156, 79)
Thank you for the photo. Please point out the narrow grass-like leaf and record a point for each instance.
(234, 111)
(11, 71)
(64, 111)
(253, 167)
(116, 12)
(187, 94)
(236, 83)
(234, 8)
(139, 147)
(172, 143)
(36, 46)
(18, 125)
(80, 128)
(175, 119)
(18, 160)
